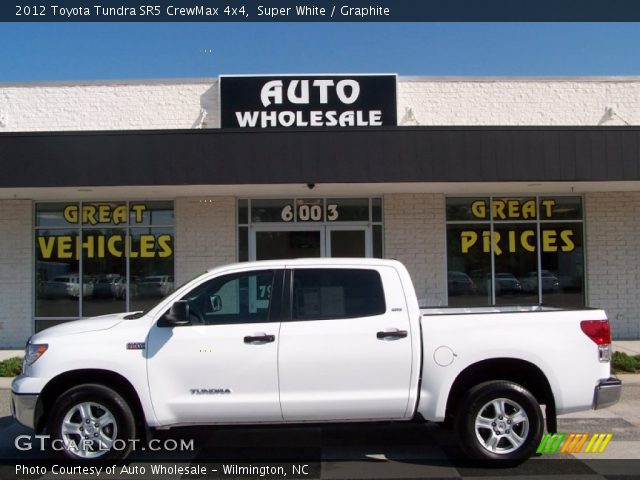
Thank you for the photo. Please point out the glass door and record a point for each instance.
(283, 242)
(348, 241)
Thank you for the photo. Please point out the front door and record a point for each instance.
(273, 243)
(223, 367)
(346, 351)
(348, 241)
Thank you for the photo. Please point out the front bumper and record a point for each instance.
(23, 408)
(607, 393)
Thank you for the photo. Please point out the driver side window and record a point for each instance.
(236, 298)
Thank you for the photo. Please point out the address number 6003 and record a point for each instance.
(308, 213)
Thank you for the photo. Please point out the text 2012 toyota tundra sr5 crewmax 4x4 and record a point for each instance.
(313, 340)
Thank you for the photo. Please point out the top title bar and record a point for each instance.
(320, 11)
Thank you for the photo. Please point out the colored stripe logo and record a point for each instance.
(574, 443)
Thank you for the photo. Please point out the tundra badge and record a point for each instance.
(209, 391)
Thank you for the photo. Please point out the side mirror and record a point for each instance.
(178, 316)
(216, 303)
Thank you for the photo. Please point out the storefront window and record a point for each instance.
(57, 273)
(515, 251)
(103, 268)
(272, 210)
(562, 264)
(94, 258)
(468, 266)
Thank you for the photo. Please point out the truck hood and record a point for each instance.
(92, 324)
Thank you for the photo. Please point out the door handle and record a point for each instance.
(391, 335)
(259, 338)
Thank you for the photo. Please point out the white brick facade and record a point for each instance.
(414, 226)
(519, 102)
(111, 106)
(613, 258)
(16, 272)
(205, 235)
(421, 101)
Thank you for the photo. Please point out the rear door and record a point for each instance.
(345, 353)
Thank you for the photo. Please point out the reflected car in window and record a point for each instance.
(550, 282)
(120, 287)
(459, 283)
(104, 285)
(155, 286)
(67, 286)
(505, 283)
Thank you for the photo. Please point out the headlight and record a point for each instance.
(33, 352)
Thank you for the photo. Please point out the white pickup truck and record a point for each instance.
(313, 340)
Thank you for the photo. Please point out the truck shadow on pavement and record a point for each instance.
(336, 451)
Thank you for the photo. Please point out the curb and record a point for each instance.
(5, 383)
(629, 378)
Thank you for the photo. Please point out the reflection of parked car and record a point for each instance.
(459, 283)
(67, 286)
(120, 287)
(155, 286)
(550, 282)
(505, 283)
(104, 285)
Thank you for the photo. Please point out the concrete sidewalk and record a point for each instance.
(5, 354)
(630, 347)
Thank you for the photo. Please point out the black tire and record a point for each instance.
(120, 427)
(516, 440)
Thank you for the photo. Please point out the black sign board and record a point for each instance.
(308, 101)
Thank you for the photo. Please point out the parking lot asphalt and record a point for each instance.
(381, 451)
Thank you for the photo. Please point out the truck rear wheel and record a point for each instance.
(92, 422)
(499, 420)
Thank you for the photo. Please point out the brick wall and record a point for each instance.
(613, 258)
(109, 106)
(153, 104)
(16, 273)
(508, 101)
(205, 235)
(414, 230)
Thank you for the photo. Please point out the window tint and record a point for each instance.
(336, 293)
(236, 298)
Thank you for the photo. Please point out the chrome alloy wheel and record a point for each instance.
(88, 430)
(502, 426)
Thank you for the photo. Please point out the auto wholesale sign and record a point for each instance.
(304, 101)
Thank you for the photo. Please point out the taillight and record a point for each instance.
(600, 332)
(597, 330)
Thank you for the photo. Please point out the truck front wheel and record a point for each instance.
(91, 422)
(499, 420)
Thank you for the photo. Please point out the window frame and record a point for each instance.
(275, 301)
(536, 223)
(79, 228)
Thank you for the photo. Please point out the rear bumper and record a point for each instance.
(607, 393)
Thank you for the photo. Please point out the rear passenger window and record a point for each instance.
(336, 293)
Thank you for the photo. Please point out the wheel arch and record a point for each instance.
(519, 371)
(63, 382)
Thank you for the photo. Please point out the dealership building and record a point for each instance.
(491, 190)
